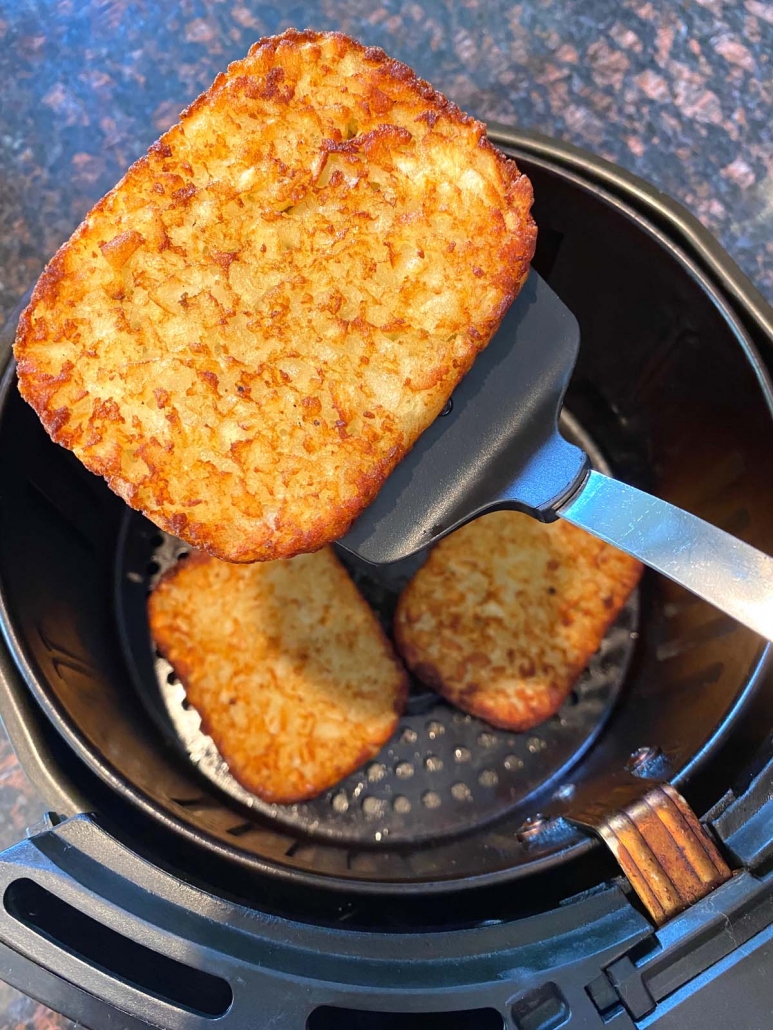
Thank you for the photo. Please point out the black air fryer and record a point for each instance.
(467, 878)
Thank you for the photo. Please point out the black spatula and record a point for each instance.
(499, 447)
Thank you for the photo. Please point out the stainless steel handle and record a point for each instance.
(736, 578)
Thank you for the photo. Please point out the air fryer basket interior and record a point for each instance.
(671, 397)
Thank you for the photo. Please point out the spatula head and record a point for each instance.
(498, 446)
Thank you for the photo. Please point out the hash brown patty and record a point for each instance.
(507, 611)
(286, 664)
(252, 328)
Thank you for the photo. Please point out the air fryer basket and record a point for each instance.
(670, 391)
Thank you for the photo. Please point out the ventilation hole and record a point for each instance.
(332, 1018)
(240, 829)
(430, 799)
(409, 736)
(376, 772)
(573, 699)
(183, 555)
(462, 754)
(512, 763)
(433, 764)
(171, 678)
(461, 792)
(401, 805)
(488, 778)
(435, 729)
(152, 568)
(535, 745)
(487, 739)
(461, 719)
(358, 789)
(373, 807)
(544, 1008)
(147, 971)
(186, 704)
(340, 802)
(404, 770)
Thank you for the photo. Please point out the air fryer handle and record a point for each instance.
(85, 940)
(736, 578)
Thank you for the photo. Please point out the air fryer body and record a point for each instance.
(498, 907)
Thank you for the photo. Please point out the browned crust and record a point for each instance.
(470, 690)
(286, 538)
(233, 758)
(254, 784)
(473, 697)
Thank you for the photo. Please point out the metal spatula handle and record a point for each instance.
(736, 578)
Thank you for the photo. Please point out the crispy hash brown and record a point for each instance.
(247, 334)
(507, 611)
(286, 664)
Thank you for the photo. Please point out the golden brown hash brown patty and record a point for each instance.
(507, 611)
(286, 664)
(247, 334)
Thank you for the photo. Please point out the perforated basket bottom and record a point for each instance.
(443, 773)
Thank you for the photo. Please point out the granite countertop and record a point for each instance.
(681, 94)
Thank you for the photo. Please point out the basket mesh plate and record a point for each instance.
(443, 773)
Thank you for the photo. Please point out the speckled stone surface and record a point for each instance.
(681, 94)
